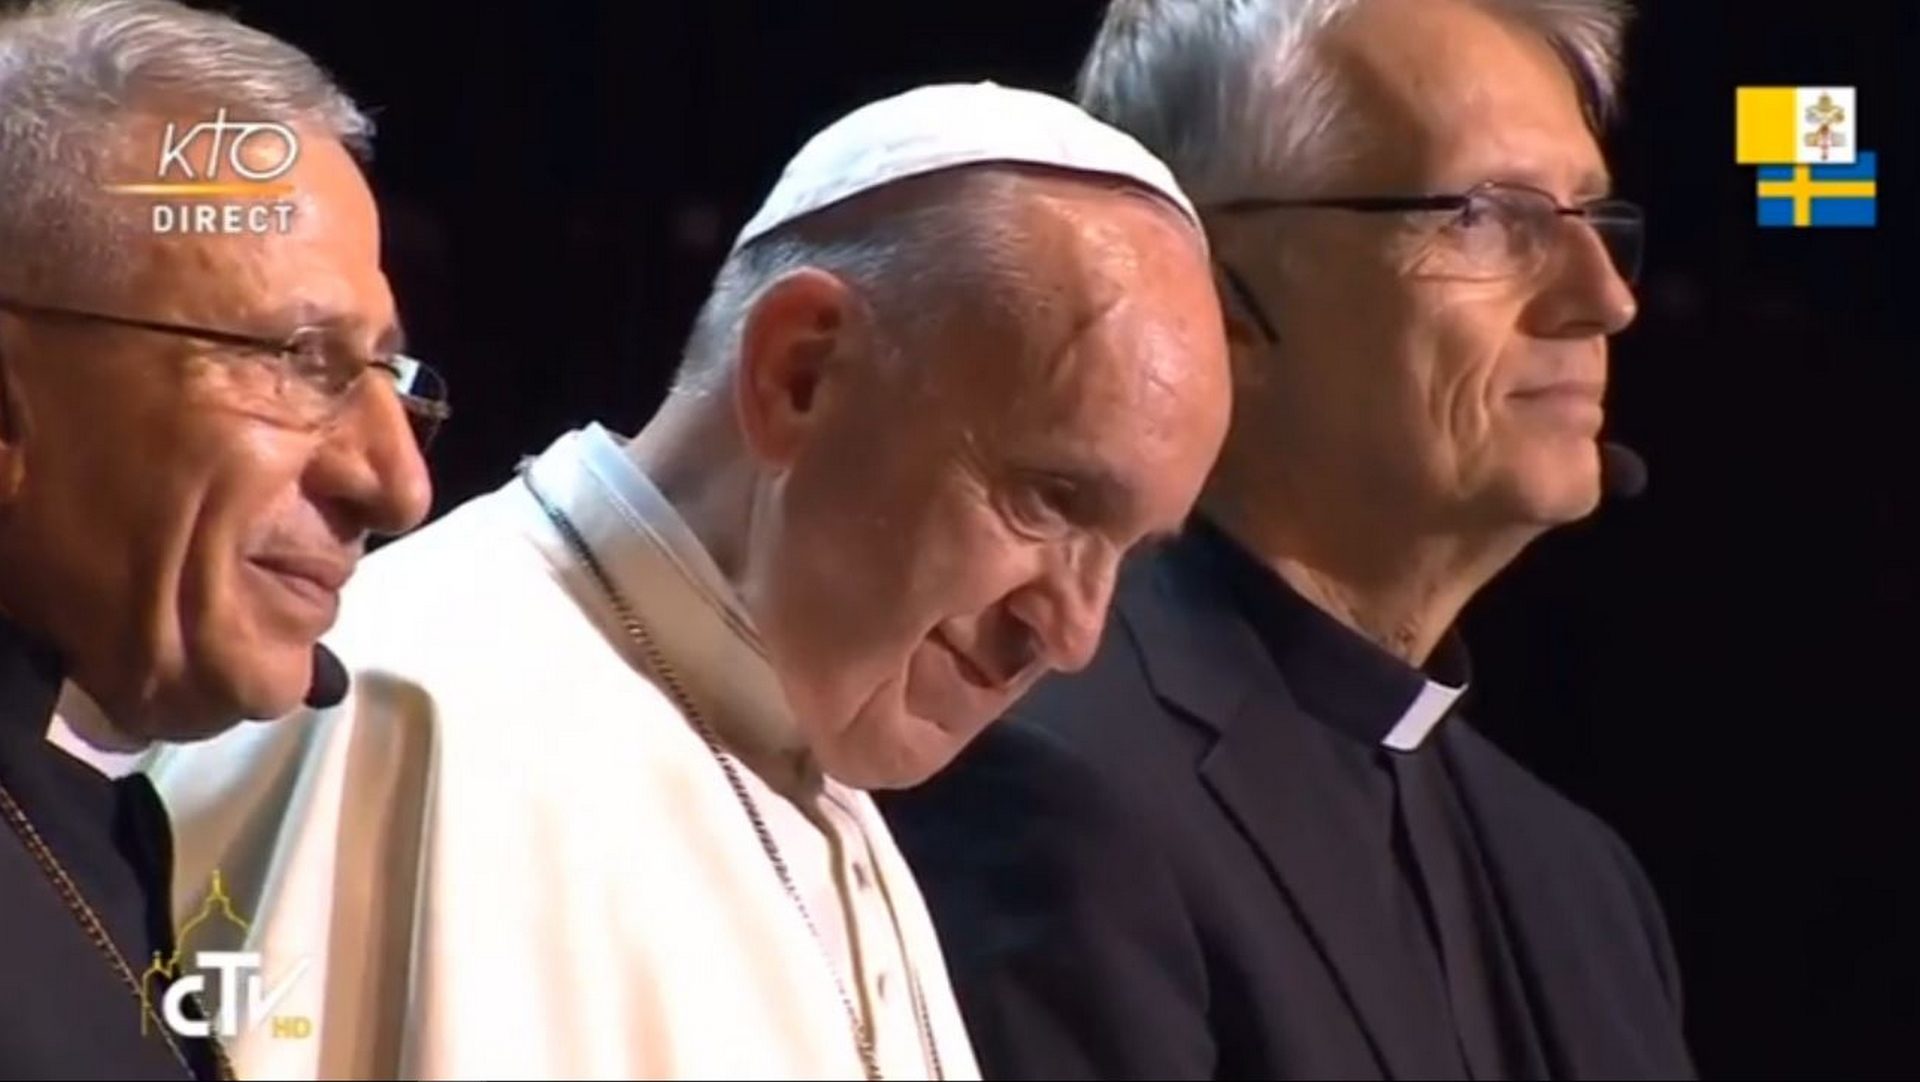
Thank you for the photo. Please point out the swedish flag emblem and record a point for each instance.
(1816, 196)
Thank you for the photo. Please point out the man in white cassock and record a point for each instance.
(596, 804)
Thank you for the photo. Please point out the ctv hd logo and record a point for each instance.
(237, 980)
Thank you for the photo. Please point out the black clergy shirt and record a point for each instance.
(1429, 891)
(65, 1009)
(1245, 842)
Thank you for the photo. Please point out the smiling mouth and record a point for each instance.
(315, 582)
(1571, 391)
(968, 668)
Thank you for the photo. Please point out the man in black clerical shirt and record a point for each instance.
(202, 419)
(1251, 839)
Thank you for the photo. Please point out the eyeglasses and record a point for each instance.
(1496, 230)
(309, 373)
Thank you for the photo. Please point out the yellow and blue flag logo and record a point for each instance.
(1816, 196)
(1781, 125)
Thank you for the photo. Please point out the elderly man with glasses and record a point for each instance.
(198, 434)
(1253, 839)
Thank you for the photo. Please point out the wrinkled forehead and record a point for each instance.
(1124, 350)
(1444, 93)
(1094, 256)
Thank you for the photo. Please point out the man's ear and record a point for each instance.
(794, 338)
(1247, 323)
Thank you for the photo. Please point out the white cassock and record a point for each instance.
(508, 855)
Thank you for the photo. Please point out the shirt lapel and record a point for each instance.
(1585, 965)
(1271, 769)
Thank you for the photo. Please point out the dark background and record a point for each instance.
(1723, 669)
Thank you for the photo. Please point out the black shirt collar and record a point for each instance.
(31, 674)
(1337, 674)
(112, 836)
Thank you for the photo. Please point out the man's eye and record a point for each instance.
(321, 362)
(306, 353)
(1043, 503)
(1476, 213)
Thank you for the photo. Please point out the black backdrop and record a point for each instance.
(1724, 669)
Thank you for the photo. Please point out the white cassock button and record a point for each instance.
(884, 983)
(860, 876)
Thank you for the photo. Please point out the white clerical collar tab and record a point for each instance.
(77, 713)
(1427, 710)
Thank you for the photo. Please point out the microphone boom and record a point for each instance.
(329, 684)
(1623, 473)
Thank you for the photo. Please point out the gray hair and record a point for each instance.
(1232, 96)
(918, 253)
(73, 71)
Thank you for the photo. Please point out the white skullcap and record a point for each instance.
(952, 124)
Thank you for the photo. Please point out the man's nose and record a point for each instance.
(371, 467)
(1585, 295)
(1075, 594)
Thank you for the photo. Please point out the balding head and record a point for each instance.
(927, 255)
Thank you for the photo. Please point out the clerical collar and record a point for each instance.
(30, 677)
(77, 713)
(662, 570)
(1337, 674)
(37, 701)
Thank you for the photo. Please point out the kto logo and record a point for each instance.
(221, 176)
(237, 979)
(283, 150)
